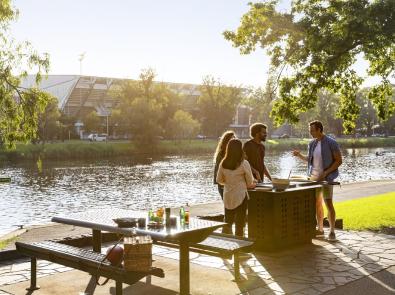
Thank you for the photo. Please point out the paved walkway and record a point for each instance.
(312, 269)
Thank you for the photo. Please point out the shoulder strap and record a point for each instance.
(101, 262)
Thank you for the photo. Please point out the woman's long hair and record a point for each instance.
(221, 147)
(234, 155)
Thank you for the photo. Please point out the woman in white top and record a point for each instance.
(235, 175)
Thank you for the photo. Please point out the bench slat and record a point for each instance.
(224, 244)
(69, 251)
(83, 259)
(217, 245)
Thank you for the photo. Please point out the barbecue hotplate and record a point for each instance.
(293, 183)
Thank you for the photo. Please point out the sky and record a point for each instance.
(180, 39)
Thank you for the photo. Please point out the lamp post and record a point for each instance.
(81, 58)
(107, 124)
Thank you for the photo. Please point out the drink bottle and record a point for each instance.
(182, 214)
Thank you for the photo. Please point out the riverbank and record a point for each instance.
(77, 149)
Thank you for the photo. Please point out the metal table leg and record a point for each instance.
(96, 240)
(184, 268)
(33, 275)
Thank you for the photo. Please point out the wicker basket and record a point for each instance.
(137, 253)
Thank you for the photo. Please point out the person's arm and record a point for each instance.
(220, 175)
(267, 173)
(254, 171)
(256, 174)
(297, 154)
(337, 156)
(248, 175)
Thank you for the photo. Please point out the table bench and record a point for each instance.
(220, 245)
(81, 259)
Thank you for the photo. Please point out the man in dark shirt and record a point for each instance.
(255, 151)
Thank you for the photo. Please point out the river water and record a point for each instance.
(34, 196)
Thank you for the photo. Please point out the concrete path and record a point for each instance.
(360, 263)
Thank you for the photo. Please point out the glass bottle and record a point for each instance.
(150, 215)
(182, 214)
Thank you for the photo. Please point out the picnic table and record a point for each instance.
(184, 234)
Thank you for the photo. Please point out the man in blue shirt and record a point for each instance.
(323, 160)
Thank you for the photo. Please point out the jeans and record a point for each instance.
(237, 215)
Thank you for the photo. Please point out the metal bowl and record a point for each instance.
(280, 183)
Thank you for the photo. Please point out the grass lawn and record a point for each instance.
(5, 243)
(374, 212)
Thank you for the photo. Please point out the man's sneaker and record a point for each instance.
(332, 237)
(319, 233)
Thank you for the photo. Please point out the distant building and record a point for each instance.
(241, 121)
(80, 95)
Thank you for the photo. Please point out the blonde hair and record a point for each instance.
(223, 142)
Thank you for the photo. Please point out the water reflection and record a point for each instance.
(33, 197)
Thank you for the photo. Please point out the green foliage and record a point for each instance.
(77, 149)
(367, 117)
(145, 108)
(66, 124)
(217, 104)
(182, 126)
(92, 122)
(49, 125)
(19, 108)
(319, 41)
(324, 110)
(260, 102)
(374, 212)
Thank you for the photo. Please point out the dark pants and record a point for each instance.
(237, 215)
(221, 191)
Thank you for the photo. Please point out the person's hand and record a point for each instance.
(296, 153)
(322, 176)
(253, 185)
(257, 176)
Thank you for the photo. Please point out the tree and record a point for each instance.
(319, 41)
(182, 125)
(367, 117)
(19, 108)
(92, 122)
(325, 111)
(119, 123)
(67, 126)
(49, 125)
(217, 104)
(260, 100)
(145, 107)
